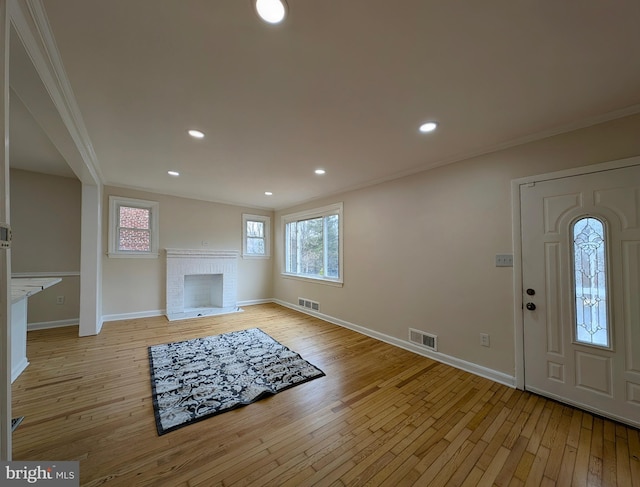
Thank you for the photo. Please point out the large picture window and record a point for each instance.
(133, 227)
(313, 244)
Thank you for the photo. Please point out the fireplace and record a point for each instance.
(201, 283)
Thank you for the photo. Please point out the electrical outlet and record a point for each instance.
(60, 300)
(484, 339)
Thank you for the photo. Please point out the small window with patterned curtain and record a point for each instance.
(590, 282)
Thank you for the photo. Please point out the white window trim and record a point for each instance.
(334, 209)
(267, 236)
(153, 206)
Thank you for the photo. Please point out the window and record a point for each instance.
(133, 227)
(256, 233)
(590, 282)
(313, 244)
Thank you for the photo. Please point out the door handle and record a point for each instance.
(530, 306)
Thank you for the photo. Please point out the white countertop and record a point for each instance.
(23, 287)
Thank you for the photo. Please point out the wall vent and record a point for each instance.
(307, 303)
(426, 340)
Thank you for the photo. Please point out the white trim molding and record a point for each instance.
(153, 207)
(472, 368)
(45, 325)
(134, 315)
(266, 237)
(19, 368)
(46, 274)
(251, 302)
(32, 26)
(322, 212)
(162, 312)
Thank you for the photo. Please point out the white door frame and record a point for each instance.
(518, 315)
(5, 255)
(29, 21)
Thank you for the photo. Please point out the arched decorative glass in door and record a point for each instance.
(589, 249)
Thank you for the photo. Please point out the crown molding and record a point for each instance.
(29, 19)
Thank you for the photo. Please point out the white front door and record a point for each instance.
(581, 290)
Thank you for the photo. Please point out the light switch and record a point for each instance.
(504, 260)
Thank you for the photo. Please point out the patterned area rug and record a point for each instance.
(196, 379)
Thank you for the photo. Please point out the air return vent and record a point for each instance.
(426, 340)
(307, 303)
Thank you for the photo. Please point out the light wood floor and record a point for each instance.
(381, 416)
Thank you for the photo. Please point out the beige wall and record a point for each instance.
(420, 251)
(138, 285)
(45, 218)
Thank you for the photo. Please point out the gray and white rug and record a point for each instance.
(196, 379)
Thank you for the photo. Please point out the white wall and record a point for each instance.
(420, 251)
(138, 285)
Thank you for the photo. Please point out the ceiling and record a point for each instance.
(340, 85)
(30, 147)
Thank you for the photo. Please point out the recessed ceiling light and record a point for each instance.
(173, 173)
(196, 134)
(320, 171)
(428, 127)
(268, 193)
(271, 11)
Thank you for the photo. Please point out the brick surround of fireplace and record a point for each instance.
(211, 283)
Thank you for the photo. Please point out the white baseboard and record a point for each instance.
(133, 316)
(44, 325)
(162, 312)
(255, 301)
(470, 367)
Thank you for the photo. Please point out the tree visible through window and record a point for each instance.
(313, 244)
(255, 236)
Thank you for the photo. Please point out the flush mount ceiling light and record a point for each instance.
(271, 11)
(268, 193)
(428, 127)
(320, 171)
(196, 134)
(173, 173)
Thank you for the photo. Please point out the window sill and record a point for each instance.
(317, 280)
(132, 255)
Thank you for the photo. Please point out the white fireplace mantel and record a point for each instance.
(202, 253)
(201, 262)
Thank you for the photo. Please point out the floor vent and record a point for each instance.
(426, 340)
(307, 303)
